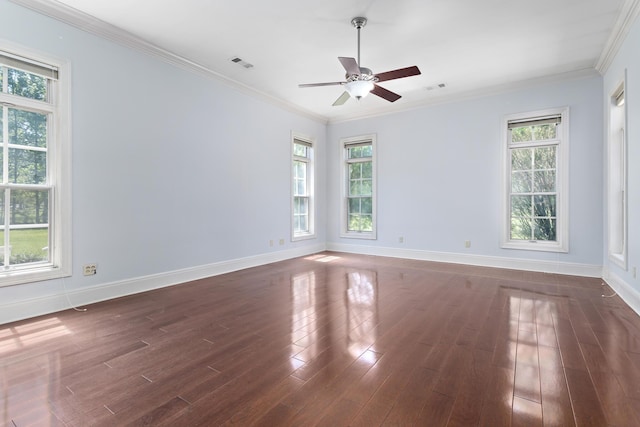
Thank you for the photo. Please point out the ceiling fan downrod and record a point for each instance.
(359, 22)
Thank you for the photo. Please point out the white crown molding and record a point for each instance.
(92, 25)
(628, 14)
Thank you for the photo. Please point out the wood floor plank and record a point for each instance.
(586, 406)
(333, 339)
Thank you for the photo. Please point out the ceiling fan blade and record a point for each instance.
(350, 65)
(321, 84)
(398, 74)
(385, 93)
(342, 99)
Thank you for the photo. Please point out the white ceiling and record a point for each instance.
(472, 46)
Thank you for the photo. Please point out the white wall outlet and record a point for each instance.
(467, 243)
(90, 269)
(281, 242)
(401, 239)
(270, 242)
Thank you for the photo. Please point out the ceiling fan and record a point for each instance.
(360, 80)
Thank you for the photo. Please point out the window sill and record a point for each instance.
(305, 236)
(37, 274)
(364, 236)
(536, 246)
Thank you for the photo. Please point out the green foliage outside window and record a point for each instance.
(533, 185)
(360, 197)
(27, 219)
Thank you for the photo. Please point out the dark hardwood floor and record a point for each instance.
(333, 339)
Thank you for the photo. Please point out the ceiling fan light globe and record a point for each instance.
(359, 88)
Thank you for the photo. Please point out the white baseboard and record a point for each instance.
(78, 297)
(572, 269)
(624, 290)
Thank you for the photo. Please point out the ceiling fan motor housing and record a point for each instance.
(365, 74)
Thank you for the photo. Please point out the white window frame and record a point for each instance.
(58, 167)
(617, 177)
(297, 138)
(561, 244)
(345, 143)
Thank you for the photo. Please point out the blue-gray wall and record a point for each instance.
(178, 175)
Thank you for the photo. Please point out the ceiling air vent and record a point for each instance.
(438, 86)
(241, 62)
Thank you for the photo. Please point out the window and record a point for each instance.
(536, 179)
(34, 227)
(617, 179)
(359, 208)
(302, 177)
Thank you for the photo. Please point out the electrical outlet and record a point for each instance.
(270, 242)
(90, 269)
(401, 239)
(281, 241)
(467, 243)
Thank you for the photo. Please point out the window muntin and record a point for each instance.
(302, 191)
(33, 246)
(535, 172)
(359, 193)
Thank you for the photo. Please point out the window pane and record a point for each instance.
(544, 181)
(26, 84)
(354, 205)
(521, 134)
(29, 244)
(367, 170)
(366, 205)
(355, 170)
(545, 229)
(299, 169)
(301, 188)
(354, 222)
(521, 159)
(520, 228)
(542, 132)
(300, 150)
(303, 226)
(303, 207)
(521, 206)
(366, 187)
(2, 252)
(1, 142)
(359, 152)
(2, 192)
(521, 182)
(545, 206)
(529, 133)
(29, 207)
(545, 158)
(27, 166)
(366, 223)
(27, 128)
(355, 188)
